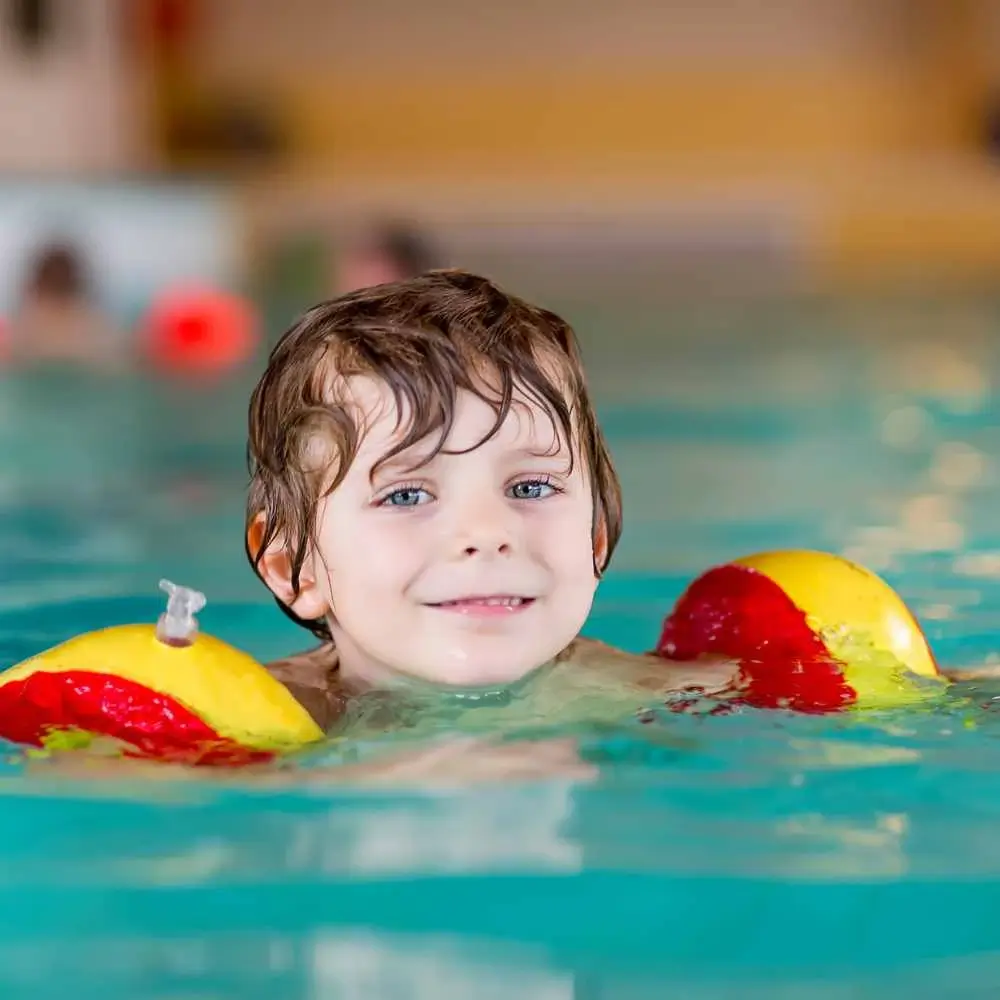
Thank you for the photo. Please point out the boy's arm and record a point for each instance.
(985, 672)
(710, 675)
(453, 762)
(312, 680)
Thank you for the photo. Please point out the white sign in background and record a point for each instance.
(136, 238)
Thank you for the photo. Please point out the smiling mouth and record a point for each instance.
(496, 605)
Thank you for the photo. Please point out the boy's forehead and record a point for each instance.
(383, 424)
(370, 402)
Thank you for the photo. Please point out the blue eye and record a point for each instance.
(406, 496)
(531, 489)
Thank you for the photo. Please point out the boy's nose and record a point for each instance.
(486, 533)
(499, 548)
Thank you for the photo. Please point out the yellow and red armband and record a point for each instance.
(813, 632)
(163, 691)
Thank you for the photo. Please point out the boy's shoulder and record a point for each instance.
(708, 674)
(586, 652)
(311, 677)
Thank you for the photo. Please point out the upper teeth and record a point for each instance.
(512, 602)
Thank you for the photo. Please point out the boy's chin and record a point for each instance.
(480, 673)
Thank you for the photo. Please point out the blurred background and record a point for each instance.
(806, 144)
(775, 226)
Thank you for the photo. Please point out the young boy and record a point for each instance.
(433, 498)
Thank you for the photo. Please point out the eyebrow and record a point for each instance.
(404, 462)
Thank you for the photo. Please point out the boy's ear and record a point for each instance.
(275, 567)
(601, 543)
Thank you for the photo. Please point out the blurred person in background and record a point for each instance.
(58, 318)
(387, 252)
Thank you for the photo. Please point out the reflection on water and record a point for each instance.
(327, 965)
(359, 965)
(753, 855)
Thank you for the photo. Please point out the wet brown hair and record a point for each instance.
(426, 338)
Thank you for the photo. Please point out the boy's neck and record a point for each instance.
(356, 679)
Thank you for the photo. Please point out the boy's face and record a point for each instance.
(472, 569)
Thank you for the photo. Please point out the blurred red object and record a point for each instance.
(199, 331)
(173, 23)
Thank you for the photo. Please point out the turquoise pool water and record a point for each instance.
(752, 856)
